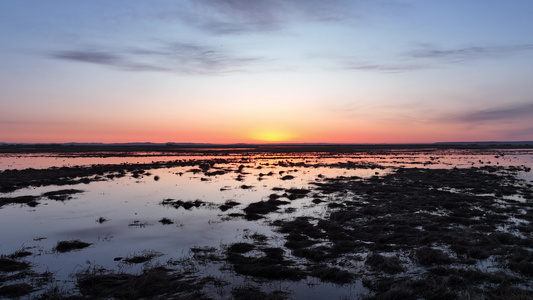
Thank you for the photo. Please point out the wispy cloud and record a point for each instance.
(382, 67)
(242, 16)
(468, 53)
(519, 111)
(428, 57)
(102, 58)
(176, 57)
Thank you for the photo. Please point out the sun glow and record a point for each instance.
(271, 136)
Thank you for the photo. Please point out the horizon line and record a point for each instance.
(255, 144)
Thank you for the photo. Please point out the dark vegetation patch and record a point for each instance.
(293, 194)
(331, 274)
(215, 173)
(228, 205)
(287, 177)
(385, 264)
(338, 165)
(455, 209)
(20, 253)
(302, 234)
(247, 292)
(15, 290)
(258, 238)
(427, 256)
(12, 265)
(236, 215)
(270, 265)
(166, 221)
(101, 220)
(66, 246)
(138, 223)
(317, 201)
(240, 248)
(57, 293)
(521, 261)
(62, 195)
(141, 258)
(159, 282)
(508, 292)
(12, 180)
(204, 254)
(448, 283)
(185, 204)
(257, 210)
(27, 200)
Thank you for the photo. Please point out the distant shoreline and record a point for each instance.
(177, 148)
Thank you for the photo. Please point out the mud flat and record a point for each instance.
(370, 230)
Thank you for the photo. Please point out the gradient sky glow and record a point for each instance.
(230, 71)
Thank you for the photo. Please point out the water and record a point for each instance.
(132, 207)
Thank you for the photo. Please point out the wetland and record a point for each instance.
(266, 222)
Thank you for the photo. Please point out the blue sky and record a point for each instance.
(246, 71)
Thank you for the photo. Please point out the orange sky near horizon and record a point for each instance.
(272, 71)
(378, 132)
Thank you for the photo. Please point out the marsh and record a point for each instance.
(222, 223)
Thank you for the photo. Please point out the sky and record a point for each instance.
(263, 71)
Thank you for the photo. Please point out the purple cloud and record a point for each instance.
(242, 16)
(88, 56)
(428, 57)
(513, 112)
(172, 57)
(467, 53)
(382, 67)
(101, 58)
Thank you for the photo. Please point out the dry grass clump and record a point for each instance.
(427, 256)
(331, 274)
(521, 260)
(15, 290)
(390, 265)
(247, 292)
(159, 282)
(11, 265)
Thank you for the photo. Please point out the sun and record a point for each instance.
(271, 136)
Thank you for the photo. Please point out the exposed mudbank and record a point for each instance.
(12, 180)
